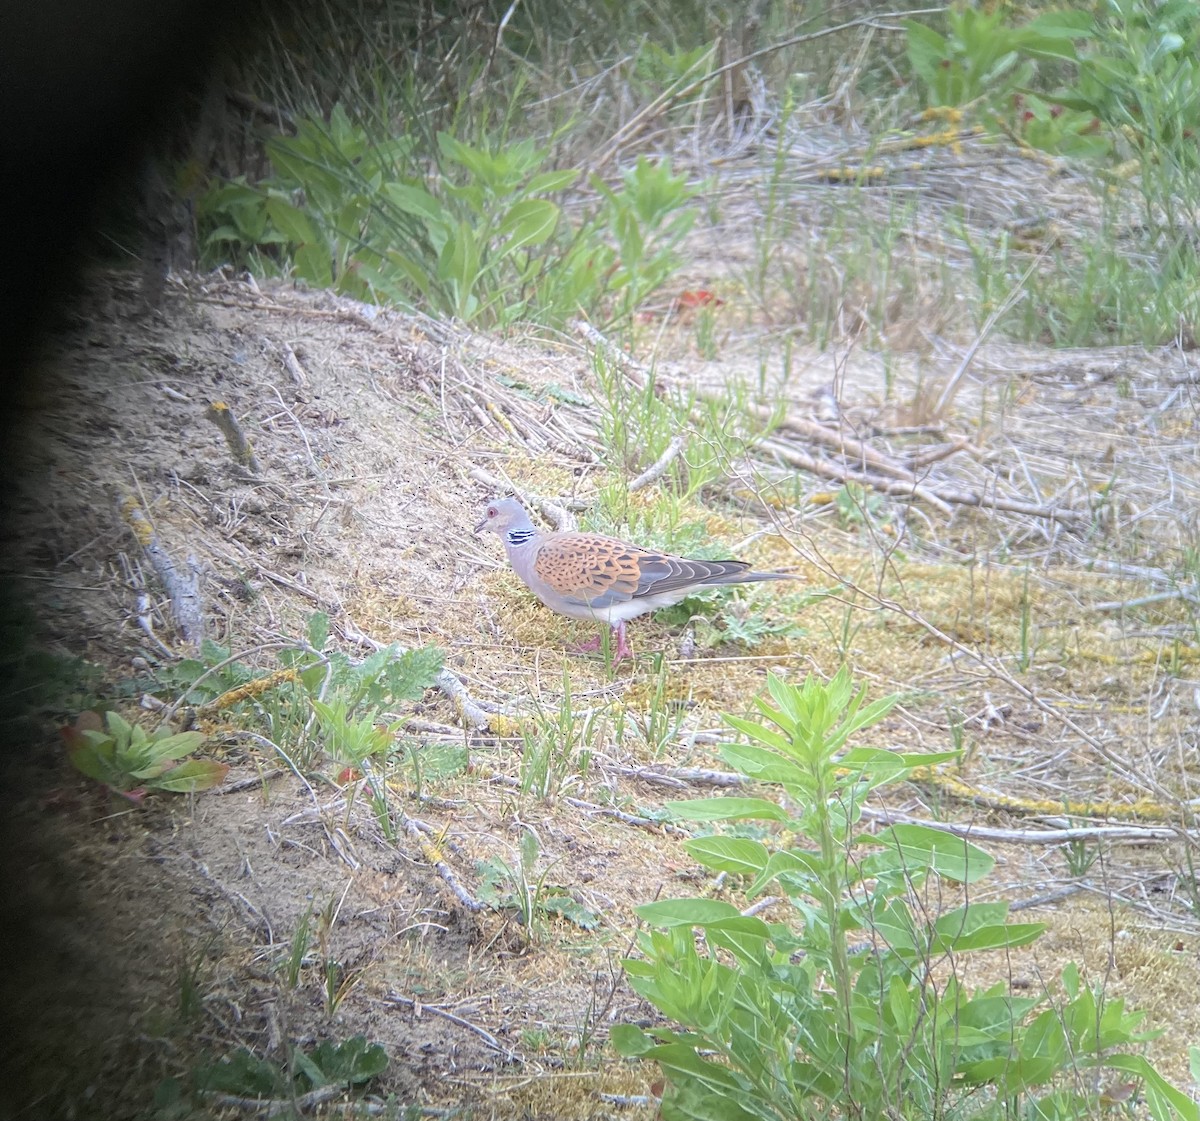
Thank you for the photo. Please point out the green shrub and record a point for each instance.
(853, 1008)
(467, 230)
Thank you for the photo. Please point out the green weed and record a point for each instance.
(520, 887)
(476, 238)
(298, 947)
(131, 761)
(785, 1019)
(557, 750)
(355, 1062)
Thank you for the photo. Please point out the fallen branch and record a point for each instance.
(795, 458)
(292, 364)
(656, 470)
(674, 776)
(239, 443)
(420, 1007)
(1127, 834)
(271, 1107)
(183, 589)
(940, 498)
(941, 451)
(636, 820)
(434, 857)
(636, 372)
(850, 447)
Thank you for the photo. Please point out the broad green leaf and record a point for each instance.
(527, 223)
(972, 916)
(313, 264)
(94, 762)
(547, 182)
(860, 718)
(902, 1005)
(948, 855)
(241, 1073)
(304, 1064)
(459, 262)
(737, 855)
(118, 727)
(417, 201)
(1007, 936)
(178, 745)
(686, 912)
(926, 51)
(725, 809)
(894, 923)
(318, 630)
(766, 765)
(292, 222)
(194, 775)
(680, 1060)
(629, 1040)
(354, 1061)
(747, 944)
(759, 732)
(749, 925)
(805, 865)
(1010, 1074)
(1046, 1039)
(571, 910)
(929, 758)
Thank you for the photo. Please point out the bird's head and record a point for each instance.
(503, 514)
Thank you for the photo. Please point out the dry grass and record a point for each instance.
(999, 628)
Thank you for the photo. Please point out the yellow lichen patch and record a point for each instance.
(506, 726)
(254, 688)
(137, 521)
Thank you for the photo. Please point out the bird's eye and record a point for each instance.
(491, 511)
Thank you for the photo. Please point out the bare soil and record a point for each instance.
(155, 938)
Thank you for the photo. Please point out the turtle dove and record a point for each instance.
(589, 576)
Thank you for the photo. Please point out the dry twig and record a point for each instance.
(239, 443)
(183, 588)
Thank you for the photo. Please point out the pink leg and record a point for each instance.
(623, 649)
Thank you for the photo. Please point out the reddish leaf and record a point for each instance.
(698, 297)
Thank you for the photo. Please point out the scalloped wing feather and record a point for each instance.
(590, 570)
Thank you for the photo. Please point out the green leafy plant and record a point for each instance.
(213, 670)
(520, 887)
(983, 56)
(1140, 73)
(348, 741)
(784, 1020)
(662, 719)
(353, 1062)
(465, 229)
(131, 761)
(298, 946)
(556, 745)
(353, 210)
(336, 982)
(359, 692)
(470, 255)
(354, 744)
(647, 217)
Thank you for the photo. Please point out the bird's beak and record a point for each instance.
(481, 526)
